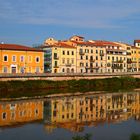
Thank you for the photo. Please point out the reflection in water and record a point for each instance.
(15, 112)
(73, 112)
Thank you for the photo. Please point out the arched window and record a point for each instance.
(68, 70)
(72, 70)
(63, 70)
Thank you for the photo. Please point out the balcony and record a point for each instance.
(101, 54)
(81, 53)
(117, 67)
(129, 61)
(92, 67)
(118, 61)
(56, 66)
(68, 65)
(134, 61)
(56, 57)
(128, 53)
(92, 60)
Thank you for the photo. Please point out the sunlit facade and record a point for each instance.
(20, 59)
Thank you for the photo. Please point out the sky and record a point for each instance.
(30, 22)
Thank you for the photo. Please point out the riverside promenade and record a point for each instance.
(60, 77)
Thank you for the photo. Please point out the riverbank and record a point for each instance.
(32, 88)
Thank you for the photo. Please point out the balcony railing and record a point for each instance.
(134, 61)
(81, 53)
(128, 53)
(101, 54)
(129, 61)
(56, 57)
(92, 67)
(117, 67)
(68, 65)
(92, 60)
(56, 66)
(118, 61)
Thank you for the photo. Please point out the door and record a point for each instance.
(13, 69)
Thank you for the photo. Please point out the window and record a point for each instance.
(91, 51)
(63, 60)
(14, 58)
(55, 63)
(113, 58)
(21, 58)
(68, 53)
(96, 57)
(5, 58)
(22, 69)
(108, 57)
(37, 69)
(68, 61)
(30, 58)
(63, 70)
(36, 112)
(5, 70)
(96, 51)
(86, 57)
(72, 52)
(101, 58)
(37, 59)
(72, 61)
(63, 52)
(4, 116)
(81, 57)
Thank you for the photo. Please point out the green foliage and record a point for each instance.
(85, 137)
(27, 88)
(135, 136)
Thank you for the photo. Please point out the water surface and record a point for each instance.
(107, 116)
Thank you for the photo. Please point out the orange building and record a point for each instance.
(20, 112)
(20, 59)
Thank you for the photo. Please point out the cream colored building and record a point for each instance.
(76, 55)
(91, 56)
(59, 57)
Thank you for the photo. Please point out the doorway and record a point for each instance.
(13, 69)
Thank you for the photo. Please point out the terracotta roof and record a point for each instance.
(17, 47)
(96, 43)
(134, 47)
(77, 36)
(60, 44)
(63, 44)
(136, 41)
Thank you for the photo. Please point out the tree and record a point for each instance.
(85, 137)
(135, 136)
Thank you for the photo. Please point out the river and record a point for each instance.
(106, 116)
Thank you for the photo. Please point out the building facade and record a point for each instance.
(59, 57)
(91, 56)
(20, 59)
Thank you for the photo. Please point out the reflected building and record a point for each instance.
(72, 112)
(75, 112)
(14, 112)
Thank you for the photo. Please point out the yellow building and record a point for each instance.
(59, 57)
(116, 58)
(63, 110)
(135, 57)
(20, 59)
(91, 55)
(20, 112)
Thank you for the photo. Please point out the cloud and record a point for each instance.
(76, 13)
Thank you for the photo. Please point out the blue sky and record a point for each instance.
(32, 21)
